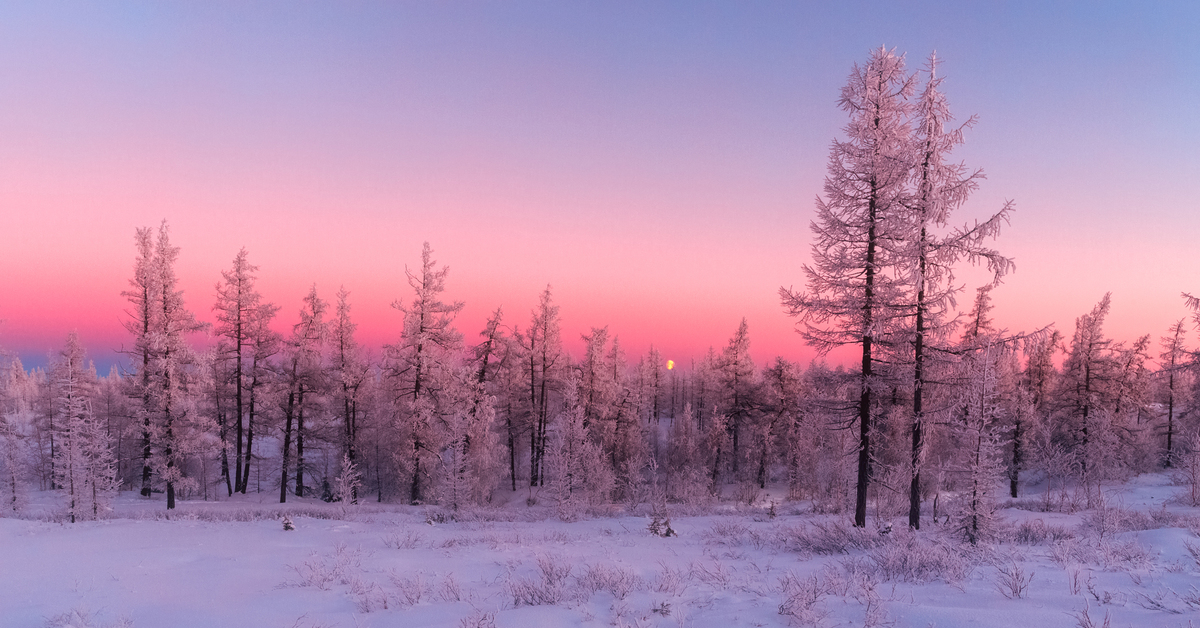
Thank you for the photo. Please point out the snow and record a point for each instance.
(231, 563)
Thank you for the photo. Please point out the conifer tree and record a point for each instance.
(238, 304)
(544, 360)
(302, 379)
(1173, 359)
(928, 254)
(849, 288)
(350, 373)
(420, 367)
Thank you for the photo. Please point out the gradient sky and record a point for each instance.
(655, 162)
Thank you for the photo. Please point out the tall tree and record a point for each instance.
(1173, 359)
(544, 360)
(144, 288)
(178, 427)
(238, 303)
(265, 344)
(350, 373)
(302, 376)
(421, 363)
(848, 288)
(739, 390)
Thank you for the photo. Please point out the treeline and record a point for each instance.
(439, 420)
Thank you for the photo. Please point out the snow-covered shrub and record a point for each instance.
(660, 526)
(1037, 532)
(1107, 553)
(451, 590)
(549, 589)
(833, 538)
(715, 574)
(405, 540)
(84, 618)
(1011, 580)
(802, 599)
(909, 558)
(346, 483)
(726, 532)
(617, 581)
(368, 597)
(478, 619)
(670, 580)
(410, 591)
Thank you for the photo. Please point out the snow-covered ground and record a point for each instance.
(231, 563)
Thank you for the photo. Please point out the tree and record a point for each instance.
(929, 257)
(848, 290)
(85, 467)
(421, 364)
(144, 288)
(265, 344)
(350, 373)
(543, 358)
(577, 473)
(173, 429)
(302, 377)
(739, 392)
(238, 304)
(1173, 359)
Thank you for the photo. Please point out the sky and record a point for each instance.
(655, 163)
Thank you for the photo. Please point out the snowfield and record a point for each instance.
(1133, 562)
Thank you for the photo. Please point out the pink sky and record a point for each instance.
(656, 163)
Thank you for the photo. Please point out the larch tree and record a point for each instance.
(180, 429)
(350, 373)
(142, 293)
(238, 303)
(544, 360)
(265, 344)
(1088, 367)
(1174, 359)
(302, 378)
(848, 289)
(420, 367)
(739, 393)
(928, 255)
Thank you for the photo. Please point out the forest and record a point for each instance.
(942, 407)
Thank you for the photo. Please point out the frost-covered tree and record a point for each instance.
(780, 394)
(1174, 359)
(16, 418)
(544, 362)
(420, 368)
(928, 254)
(144, 288)
(739, 394)
(173, 430)
(350, 373)
(979, 437)
(265, 345)
(848, 287)
(302, 378)
(238, 306)
(577, 475)
(85, 468)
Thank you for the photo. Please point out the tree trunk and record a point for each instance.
(300, 444)
(287, 446)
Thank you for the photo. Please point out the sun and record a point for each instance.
(670, 364)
